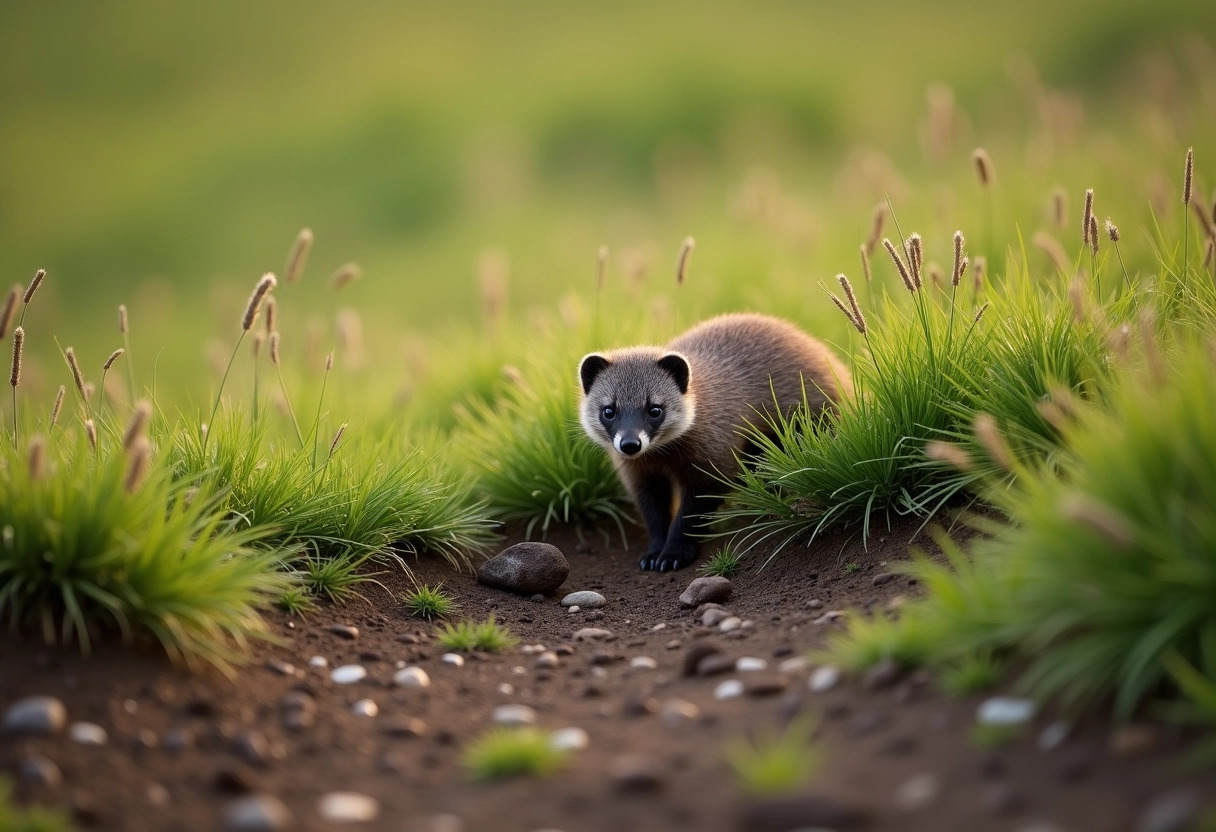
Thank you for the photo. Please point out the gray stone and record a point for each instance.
(513, 715)
(729, 689)
(636, 773)
(696, 652)
(411, 677)
(252, 747)
(918, 791)
(678, 711)
(257, 813)
(701, 590)
(40, 771)
(729, 625)
(764, 684)
(594, 634)
(87, 733)
(1005, 710)
(526, 568)
(585, 599)
(823, 678)
(714, 664)
(348, 807)
(365, 708)
(345, 631)
(35, 715)
(714, 616)
(643, 663)
(883, 578)
(750, 664)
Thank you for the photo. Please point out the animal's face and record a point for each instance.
(635, 400)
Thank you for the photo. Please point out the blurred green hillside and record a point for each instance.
(164, 154)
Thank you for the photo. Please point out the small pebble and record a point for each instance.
(792, 665)
(574, 608)
(345, 631)
(714, 617)
(829, 617)
(257, 813)
(365, 707)
(318, 662)
(569, 739)
(348, 674)
(585, 599)
(513, 715)
(750, 664)
(547, 660)
(454, 659)
(662, 625)
(710, 588)
(814, 604)
(411, 677)
(729, 689)
(918, 791)
(636, 773)
(1005, 710)
(764, 684)
(409, 726)
(715, 663)
(177, 739)
(40, 771)
(643, 663)
(593, 634)
(348, 807)
(87, 733)
(883, 578)
(506, 689)
(281, 667)
(678, 711)
(730, 624)
(1054, 735)
(35, 715)
(823, 678)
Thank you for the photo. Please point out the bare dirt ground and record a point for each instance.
(897, 756)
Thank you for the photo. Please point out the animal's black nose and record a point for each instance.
(629, 447)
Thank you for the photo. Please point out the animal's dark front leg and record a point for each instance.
(691, 521)
(653, 496)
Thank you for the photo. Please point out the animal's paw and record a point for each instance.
(668, 561)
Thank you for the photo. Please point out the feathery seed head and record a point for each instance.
(274, 348)
(1054, 250)
(105, 368)
(899, 264)
(18, 342)
(333, 446)
(957, 275)
(950, 453)
(1059, 205)
(1100, 519)
(1188, 177)
(845, 311)
(989, 435)
(137, 464)
(10, 309)
(69, 355)
(90, 430)
(298, 255)
(1076, 294)
(981, 268)
(123, 325)
(329, 361)
(916, 258)
(983, 166)
(37, 459)
(865, 264)
(271, 314)
(859, 320)
(1112, 231)
(682, 261)
(34, 284)
(1088, 215)
(254, 306)
(58, 405)
(1093, 233)
(259, 338)
(138, 426)
(980, 312)
(880, 214)
(344, 275)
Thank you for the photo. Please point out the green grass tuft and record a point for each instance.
(725, 563)
(466, 636)
(512, 752)
(429, 603)
(975, 673)
(776, 763)
(28, 819)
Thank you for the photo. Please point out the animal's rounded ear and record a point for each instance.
(590, 368)
(677, 366)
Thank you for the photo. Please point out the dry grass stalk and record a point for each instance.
(298, 255)
(1112, 231)
(979, 313)
(1188, 177)
(492, 278)
(39, 276)
(89, 389)
(960, 262)
(274, 348)
(1093, 233)
(137, 428)
(865, 264)
(114, 356)
(333, 446)
(1099, 518)
(601, 268)
(329, 361)
(1117, 341)
(983, 166)
(1052, 247)
(18, 343)
(10, 309)
(345, 274)
(950, 453)
(254, 306)
(137, 464)
(1088, 215)
(990, 437)
(899, 264)
(90, 430)
(58, 405)
(123, 324)
(880, 215)
(936, 275)
(1059, 206)
(683, 260)
(37, 456)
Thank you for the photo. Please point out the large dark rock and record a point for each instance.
(526, 568)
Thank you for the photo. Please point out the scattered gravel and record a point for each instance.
(526, 568)
(348, 807)
(584, 599)
(513, 715)
(256, 813)
(411, 677)
(702, 590)
(35, 715)
(348, 674)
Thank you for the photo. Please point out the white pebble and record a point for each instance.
(454, 659)
(643, 663)
(599, 672)
(348, 807)
(792, 665)
(569, 739)
(513, 715)
(318, 662)
(1005, 710)
(918, 791)
(728, 625)
(574, 608)
(750, 664)
(586, 598)
(1054, 735)
(532, 649)
(677, 711)
(412, 677)
(365, 707)
(87, 733)
(519, 670)
(824, 679)
(662, 625)
(730, 689)
(506, 689)
(348, 673)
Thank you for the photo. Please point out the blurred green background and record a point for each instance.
(165, 154)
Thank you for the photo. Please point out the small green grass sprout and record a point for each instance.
(724, 563)
(868, 641)
(512, 752)
(29, 819)
(488, 636)
(296, 601)
(776, 763)
(429, 603)
(974, 673)
(852, 568)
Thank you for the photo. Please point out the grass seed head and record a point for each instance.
(137, 428)
(859, 320)
(682, 261)
(983, 166)
(1093, 233)
(1053, 248)
(345, 274)
(1087, 216)
(880, 215)
(256, 299)
(1099, 518)
(333, 446)
(18, 343)
(1210, 252)
(58, 405)
(271, 315)
(990, 437)
(950, 453)
(329, 361)
(956, 276)
(259, 338)
(1188, 177)
(274, 348)
(1112, 231)
(137, 464)
(114, 356)
(1059, 206)
(865, 264)
(1076, 294)
(39, 276)
(1209, 230)
(845, 311)
(10, 309)
(979, 313)
(981, 267)
(37, 456)
(916, 258)
(298, 255)
(123, 323)
(69, 355)
(899, 264)
(90, 430)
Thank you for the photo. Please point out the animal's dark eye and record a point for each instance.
(656, 412)
(609, 413)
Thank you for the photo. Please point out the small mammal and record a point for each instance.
(672, 417)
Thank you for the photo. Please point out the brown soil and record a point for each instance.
(874, 740)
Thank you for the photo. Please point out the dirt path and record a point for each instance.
(181, 748)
